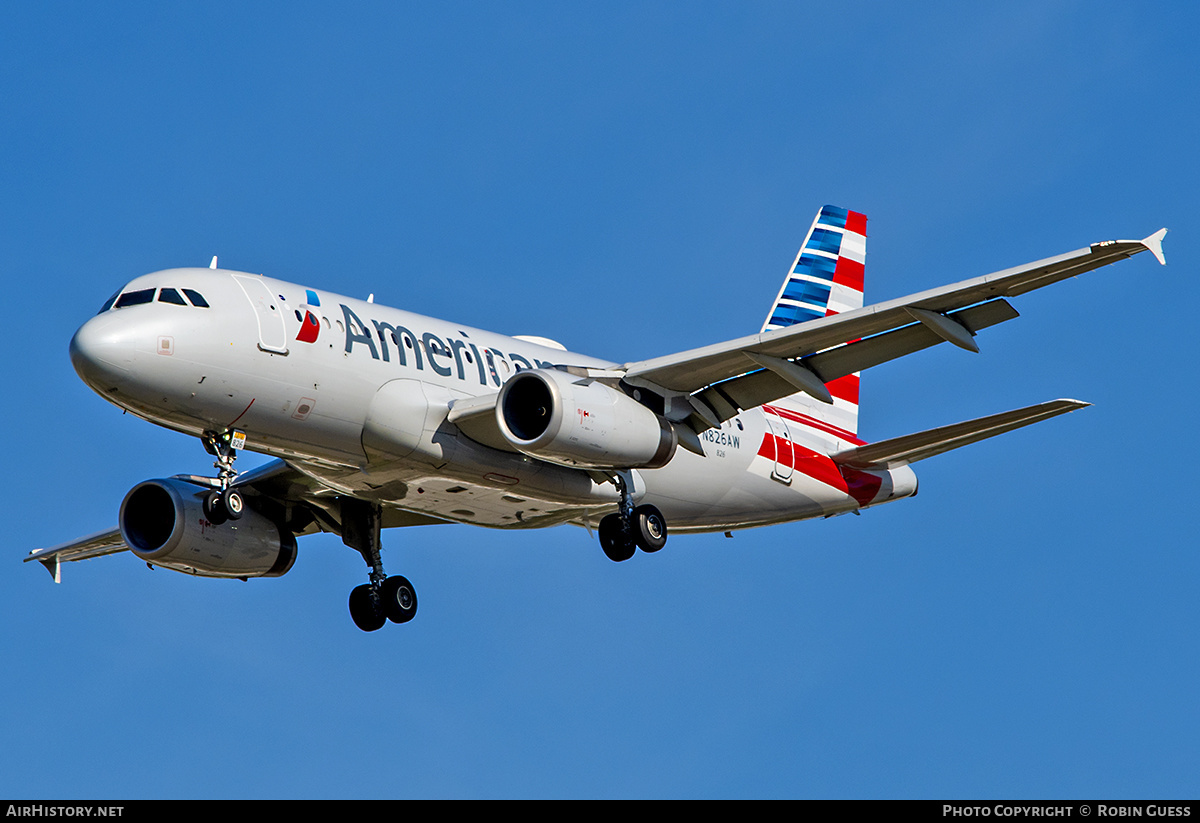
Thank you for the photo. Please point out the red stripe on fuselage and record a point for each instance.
(814, 423)
(862, 486)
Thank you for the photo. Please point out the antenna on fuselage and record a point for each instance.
(371, 297)
(213, 264)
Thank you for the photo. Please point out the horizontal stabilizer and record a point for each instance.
(900, 451)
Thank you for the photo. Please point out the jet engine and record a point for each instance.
(164, 523)
(580, 422)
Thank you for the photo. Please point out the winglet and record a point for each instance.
(1154, 244)
(53, 566)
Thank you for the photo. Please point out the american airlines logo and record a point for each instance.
(448, 357)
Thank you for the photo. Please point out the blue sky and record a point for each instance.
(633, 180)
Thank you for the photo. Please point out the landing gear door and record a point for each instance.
(272, 336)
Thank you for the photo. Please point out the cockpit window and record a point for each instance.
(171, 296)
(109, 303)
(196, 299)
(135, 298)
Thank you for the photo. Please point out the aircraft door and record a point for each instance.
(272, 335)
(785, 457)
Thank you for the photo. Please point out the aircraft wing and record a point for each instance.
(94, 545)
(726, 378)
(298, 501)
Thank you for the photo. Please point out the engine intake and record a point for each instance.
(580, 422)
(163, 522)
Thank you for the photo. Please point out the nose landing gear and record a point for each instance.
(224, 502)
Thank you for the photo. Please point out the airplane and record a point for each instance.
(381, 418)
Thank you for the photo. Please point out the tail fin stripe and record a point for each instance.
(844, 388)
(856, 222)
(826, 278)
(791, 315)
(824, 240)
(806, 291)
(810, 265)
(833, 216)
(849, 273)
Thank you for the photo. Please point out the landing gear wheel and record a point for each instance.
(399, 599)
(649, 528)
(233, 503)
(616, 541)
(214, 508)
(365, 609)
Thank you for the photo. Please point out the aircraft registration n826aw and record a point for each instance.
(381, 418)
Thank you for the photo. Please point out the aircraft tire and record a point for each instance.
(615, 540)
(233, 503)
(399, 599)
(214, 508)
(365, 610)
(649, 528)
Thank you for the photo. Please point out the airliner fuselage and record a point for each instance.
(308, 376)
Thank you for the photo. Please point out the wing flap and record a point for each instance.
(900, 451)
(749, 390)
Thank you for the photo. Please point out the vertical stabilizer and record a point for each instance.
(825, 278)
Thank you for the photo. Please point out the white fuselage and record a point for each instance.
(355, 395)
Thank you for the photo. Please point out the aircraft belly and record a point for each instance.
(483, 506)
(453, 494)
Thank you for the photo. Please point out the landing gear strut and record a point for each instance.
(643, 527)
(224, 502)
(384, 598)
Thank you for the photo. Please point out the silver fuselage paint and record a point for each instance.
(302, 371)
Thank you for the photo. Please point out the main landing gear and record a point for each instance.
(632, 528)
(224, 502)
(384, 598)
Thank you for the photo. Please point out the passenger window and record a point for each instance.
(197, 301)
(171, 296)
(135, 298)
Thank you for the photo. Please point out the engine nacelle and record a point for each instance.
(163, 522)
(580, 422)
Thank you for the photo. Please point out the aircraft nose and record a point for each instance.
(97, 353)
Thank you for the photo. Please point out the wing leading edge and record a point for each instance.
(94, 545)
